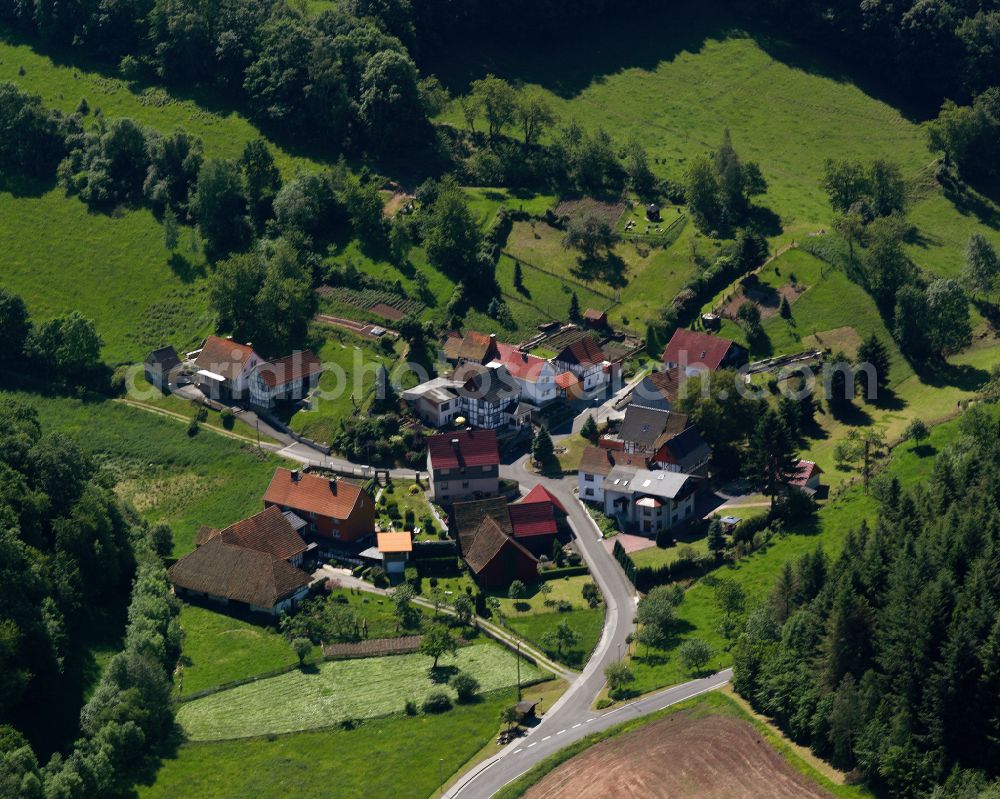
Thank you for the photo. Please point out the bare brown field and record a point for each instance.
(679, 757)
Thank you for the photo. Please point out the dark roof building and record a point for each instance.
(468, 516)
(269, 531)
(235, 575)
(583, 352)
(659, 389)
(496, 559)
(643, 427)
(594, 318)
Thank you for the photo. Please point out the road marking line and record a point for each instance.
(534, 744)
(546, 737)
(575, 726)
(560, 732)
(588, 721)
(516, 751)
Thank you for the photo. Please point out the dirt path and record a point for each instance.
(680, 757)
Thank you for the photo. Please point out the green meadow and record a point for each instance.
(351, 764)
(167, 475)
(676, 80)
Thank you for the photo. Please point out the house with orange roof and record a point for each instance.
(332, 508)
(535, 376)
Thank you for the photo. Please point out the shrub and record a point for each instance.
(437, 702)
(410, 707)
(466, 686)
(603, 702)
(228, 419)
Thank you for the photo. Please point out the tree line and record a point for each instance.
(68, 553)
(885, 659)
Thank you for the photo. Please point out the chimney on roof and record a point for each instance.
(295, 475)
(333, 485)
(493, 336)
(454, 443)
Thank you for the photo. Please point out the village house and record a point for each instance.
(463, 465)
(496, 559)
(332, 508)
(224, 368)
(596, 463)
(435, 402)
(286, 379)
(250, 566)
(585, 359)
(229, 371)
(658, 390)
(162, 367)
(535, 376)
(473, 347)
(696, 352)
(648, 502)
(487, 397)
(665, 439)
(598, 320)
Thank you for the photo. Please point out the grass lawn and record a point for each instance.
(168, 476)
(336, 690)
(569, 450)
(113, 269)
(219, 649)
(422, 751)
(345, 389)
(654, 556)
(585, 622)
(699, 616)
(565, 589)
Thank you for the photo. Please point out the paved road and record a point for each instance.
(559, 730)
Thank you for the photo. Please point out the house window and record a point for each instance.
(589, 492)
(588, 478)
(465, 484)
(312, 514)
(444, 486)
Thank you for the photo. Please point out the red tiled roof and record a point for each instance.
(694, 348)
(600, 460)
(335, 499)
(223, 356)
(520, 364)
(464, 448)
(584, 352)
(593, 315)
(806, 470)
(566, 380)
(291, 368)
(533, 519)
(238, 573)
(541, 494)
(268, 531)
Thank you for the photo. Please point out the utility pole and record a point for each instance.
(519, 671)
(257, 420)
(441, 775)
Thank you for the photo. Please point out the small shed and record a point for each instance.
(653, 212)
(162, 367)
(595, 318)
(395, 549)
(526, 710)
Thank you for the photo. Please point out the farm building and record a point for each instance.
(395, 549)
(808, 477)
(497, 559)
(333, 509)
(224, 368)
(585, 359)
(243, 579)
(595, 319)
(535, 521)
(271, 531)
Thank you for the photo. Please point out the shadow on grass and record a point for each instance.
(961, 376)
(609, 269)
(186, 271)
(442, 674)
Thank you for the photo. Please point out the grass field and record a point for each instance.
(585, 622)
(675, 79)
(423, 751)
(167, 475)
(219, 649)
(703, 757)
(337, 690)
(699, 616)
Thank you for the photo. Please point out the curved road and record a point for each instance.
(571, 717)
